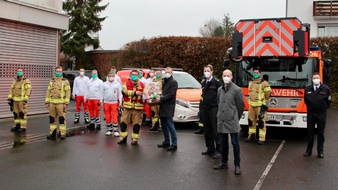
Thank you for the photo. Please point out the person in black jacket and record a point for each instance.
(167, 109)
(317, 99)
(209, 108)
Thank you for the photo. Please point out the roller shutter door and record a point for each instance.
(33, 48)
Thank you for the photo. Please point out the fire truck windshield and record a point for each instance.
(285, 73)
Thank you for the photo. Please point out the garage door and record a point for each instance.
(33, 48)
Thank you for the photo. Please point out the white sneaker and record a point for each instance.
(116, 134)
(109, 133)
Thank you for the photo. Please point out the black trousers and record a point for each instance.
(212, 139)
(312, 120)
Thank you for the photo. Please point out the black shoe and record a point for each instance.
(16, 127)
(199, 132)
(163, 145)
(172, 148)
(134, 143)
(320, 155)
(76, 120)
(237, 170)
(261, 142)
(22, 130)
(209, 153)
(159, 129)
(216, 156)
(123, 141)
(153, 128)
(307, 154)
(252, 138)
(62, 137)
(221, 166)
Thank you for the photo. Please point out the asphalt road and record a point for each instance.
(91, 160)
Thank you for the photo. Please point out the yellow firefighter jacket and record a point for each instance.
(58, 91)
(20, 89)
(259, 92)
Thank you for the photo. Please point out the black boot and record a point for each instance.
(199, 131)
(123, 141)
(52, 136)
(16, 127)
(155, 127)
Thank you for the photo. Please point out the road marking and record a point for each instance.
(267, 169)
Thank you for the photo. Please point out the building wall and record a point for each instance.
(102, 60)
(29, 38)
(303, 10)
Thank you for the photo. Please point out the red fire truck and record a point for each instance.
(280, 48)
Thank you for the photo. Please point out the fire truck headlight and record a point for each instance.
(304, 118)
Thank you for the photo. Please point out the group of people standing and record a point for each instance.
(111, 95)
(221, 108)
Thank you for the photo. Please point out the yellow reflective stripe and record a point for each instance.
(10, 96)
(18, 99)
(56, 101)
(200, 124)
(67, 88)
(252, 130)
(23, 121)
(130, 93)
(255, 104)
(62, 90)
(63, 129)
(155, 119)
(47, 100)
(66, 100)
(135, 135)
(123, 134)
(16, 120)
(267, 88)
(52, 127)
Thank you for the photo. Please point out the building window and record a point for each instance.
(327, 31)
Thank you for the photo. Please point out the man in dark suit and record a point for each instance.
(317, 99)
(167, 109)
(209, 108)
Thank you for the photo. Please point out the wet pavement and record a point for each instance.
(91, 160)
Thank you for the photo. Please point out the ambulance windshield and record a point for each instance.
(289, 73)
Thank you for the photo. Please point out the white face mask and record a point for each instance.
(167, 75)
(111, 79)
(316, 81)
(226, 80)
(207, 74)
(81, 73)
(151, 74)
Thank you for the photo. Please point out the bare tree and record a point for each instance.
(209, 28)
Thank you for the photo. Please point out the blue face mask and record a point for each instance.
(256, 76)
(58, 74)
(134, 78)
(94, 76)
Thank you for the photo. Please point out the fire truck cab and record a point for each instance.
(280, 48)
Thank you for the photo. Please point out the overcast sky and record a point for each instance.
(131, 20)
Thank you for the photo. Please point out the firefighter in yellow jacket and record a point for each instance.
(17, 98)
(132, 91)
(57, 99)
(259, 93)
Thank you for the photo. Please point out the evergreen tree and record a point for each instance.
(83, 24)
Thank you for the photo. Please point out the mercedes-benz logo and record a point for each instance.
(273, 102)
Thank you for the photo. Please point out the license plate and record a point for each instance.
(274, 118)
